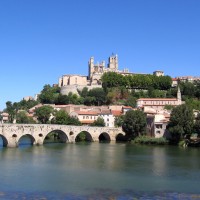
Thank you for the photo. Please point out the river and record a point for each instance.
(99, 171)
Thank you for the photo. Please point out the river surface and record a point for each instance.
(99, 171)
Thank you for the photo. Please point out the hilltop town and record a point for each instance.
(88, 98)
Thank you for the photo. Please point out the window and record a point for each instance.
(159, 126)
(158, 132)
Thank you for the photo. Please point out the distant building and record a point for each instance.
(159, 103)
(28, 98)
(4, 117)
(158, 73)
(73, 83)
(190, 79)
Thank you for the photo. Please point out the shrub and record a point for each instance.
(150, 140)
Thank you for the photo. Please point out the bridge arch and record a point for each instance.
(55, 136)
(84, 136)
(4, 140)
(30, 137)
(104, 137)
(120, 137)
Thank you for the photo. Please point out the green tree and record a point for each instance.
(11, 109)
(197, 124)
(44, 113)
(25, 105)
(49, 94)
(74, 121)
(119, 121)
(1, 117)
(99, 96)
(62, 117)
(62, 100)
(181, 122)
(84, 92)
(22, 118)
(130, 101)
(98, 122)
(134, 123)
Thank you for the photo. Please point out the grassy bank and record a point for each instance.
(150, 140)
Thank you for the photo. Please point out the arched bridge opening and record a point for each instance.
(83, 136)
(3, 141)
(24, 140)
(104, 137)
(121, 138)
(56, 136)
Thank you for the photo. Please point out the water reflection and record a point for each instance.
(98, 171)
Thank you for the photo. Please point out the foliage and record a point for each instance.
(98, 122)
(68, 99)
(84, 92)
(137, 81)
(44, 113)
(22, 118)
(168, 107)
(74, 121)
(197, 124)
(119, 121)
(49, 94)
(130, 101)
(134, 123)
(62, 117)
(193, 103)
(83, 136)
(1, 117)
(98, 95)
(181, 121)
(11, 109)
(181, 143)
(25, 105)
(151, 140)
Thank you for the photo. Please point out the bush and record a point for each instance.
(150, 140)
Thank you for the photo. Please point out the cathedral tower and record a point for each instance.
(179, 96)
(90, 67)
(113, 62)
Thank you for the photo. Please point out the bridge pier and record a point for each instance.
(12, 144)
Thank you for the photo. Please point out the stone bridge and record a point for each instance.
(12, 133)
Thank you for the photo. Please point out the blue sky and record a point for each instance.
(40, 40)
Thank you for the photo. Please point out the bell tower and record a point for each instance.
(179, 96)
(113, 62)
(90, 67)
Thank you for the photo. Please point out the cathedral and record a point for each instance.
(95, 71)
(73, 83)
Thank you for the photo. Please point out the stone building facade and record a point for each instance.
(73, 83)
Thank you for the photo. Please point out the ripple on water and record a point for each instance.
(100, 195)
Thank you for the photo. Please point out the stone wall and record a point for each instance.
(65, 90)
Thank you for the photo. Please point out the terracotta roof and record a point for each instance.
(5, 114)
(60, 106)
(87, 113)
(157, 99)
(116, 112)
(127, 107)
(105, 112)
(86, 121)
(150, 112)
